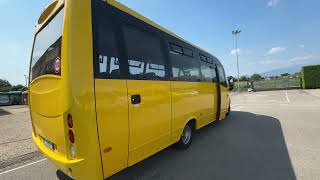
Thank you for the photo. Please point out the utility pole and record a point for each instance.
(236, 32)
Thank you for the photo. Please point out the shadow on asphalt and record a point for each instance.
(62, 176)
(4, 112)
(244, 146)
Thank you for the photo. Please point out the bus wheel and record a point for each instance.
(186, 137)
(229, 110)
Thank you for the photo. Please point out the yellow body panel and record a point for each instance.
(224, 101)
(73, 93)
(150, 121)
(192, 101)
(113, 123)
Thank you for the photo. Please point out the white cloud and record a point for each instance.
(273, 3)
(301, 58)
(276, 50)
(234, 51)
(302, 45)
(294, 61)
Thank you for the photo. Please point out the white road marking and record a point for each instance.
(312, 93)
(288, 100)
(14, 169)
(272, 105)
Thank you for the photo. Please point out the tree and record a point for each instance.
(256, 77)
(230, 77)
(5, 86)
(243, 78)
(285, 74)
(19, 87)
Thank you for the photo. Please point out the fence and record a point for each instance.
(272, 84)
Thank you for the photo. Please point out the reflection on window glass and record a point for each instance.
(185, 68)
(203, 58)
(146, 60)
(208, 72)
(109, 65)
(176, 48)
(106, 61)
(47, 48)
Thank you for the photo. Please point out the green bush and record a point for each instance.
(310, 77)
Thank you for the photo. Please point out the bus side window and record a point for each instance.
(222, 76)
(107, 63)
(184, 66)
(208, 72)
(145, 55)
(214, 72)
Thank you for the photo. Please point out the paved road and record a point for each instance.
(269, 135)
(15, 136)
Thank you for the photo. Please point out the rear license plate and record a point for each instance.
(49, 144)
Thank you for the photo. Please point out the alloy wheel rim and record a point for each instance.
(186, 135)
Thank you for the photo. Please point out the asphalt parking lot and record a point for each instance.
(269, 135)
(16, 145)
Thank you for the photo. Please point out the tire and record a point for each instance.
(229, 110)
(186, 137)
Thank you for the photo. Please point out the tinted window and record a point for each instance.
(145, 55)
(46, 55)
(176, 48)
(203, 58)
(222, 76)
(208, 72)
(4, 99)
(209, 60)
(188, 52)
(184, 68)
(106, 48)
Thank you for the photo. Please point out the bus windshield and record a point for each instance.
(46, 55)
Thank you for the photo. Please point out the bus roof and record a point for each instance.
(135, 14)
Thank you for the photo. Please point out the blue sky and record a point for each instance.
(275, 33)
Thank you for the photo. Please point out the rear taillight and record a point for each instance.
(70, 121)
(57, 65)
(71, 136)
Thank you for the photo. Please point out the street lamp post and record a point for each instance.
(236, 33)
(26, 78)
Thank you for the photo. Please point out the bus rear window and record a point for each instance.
(46, 55)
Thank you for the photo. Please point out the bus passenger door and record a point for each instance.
(149, 95)
(149, 118)
(223, 87)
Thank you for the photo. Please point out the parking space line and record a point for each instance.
(26, 165)
(288, 100)
(312, 93)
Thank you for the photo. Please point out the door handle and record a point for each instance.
(136, 99)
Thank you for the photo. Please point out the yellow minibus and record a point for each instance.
(109, 88)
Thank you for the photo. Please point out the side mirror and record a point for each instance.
(231, 84)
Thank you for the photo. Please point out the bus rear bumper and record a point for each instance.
(68, 166)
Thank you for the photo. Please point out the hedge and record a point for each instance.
(310, 77)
